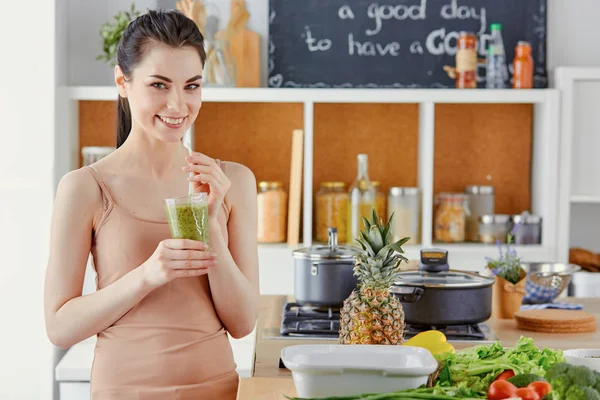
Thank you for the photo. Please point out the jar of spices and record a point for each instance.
(466, 61)
(272, 212)
(494, 228)
(404, 203)
(380, 201)
(332, 211)
(451, 217)
(527, 229)
(481, 202)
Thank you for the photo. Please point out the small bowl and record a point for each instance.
(587, 357)
(546, 281)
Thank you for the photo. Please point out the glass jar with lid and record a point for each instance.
(481, 202)
(404, 203)
(331, 211)
(451, 217)
(380, 201)
(272, 212)
(494, 228)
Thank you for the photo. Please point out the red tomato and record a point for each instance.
(527, 394)
(505, 375)
(541, 388)
(500, 390)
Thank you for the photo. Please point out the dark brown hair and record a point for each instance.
(167, 27)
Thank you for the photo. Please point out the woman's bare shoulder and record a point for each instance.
(237, 171)
(243, 182)
(79, 186)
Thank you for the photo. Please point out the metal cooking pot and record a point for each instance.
(435, 295)
(323, 274)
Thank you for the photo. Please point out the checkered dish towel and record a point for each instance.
(564, 306)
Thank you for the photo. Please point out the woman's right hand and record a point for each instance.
(177, 258)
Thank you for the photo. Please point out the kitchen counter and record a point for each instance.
(269, 382)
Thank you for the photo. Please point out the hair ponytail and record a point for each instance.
(167, 27)
(123, 120)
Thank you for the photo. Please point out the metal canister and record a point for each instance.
(481, 202)
(527, 229)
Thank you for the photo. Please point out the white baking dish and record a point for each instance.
(340, 370)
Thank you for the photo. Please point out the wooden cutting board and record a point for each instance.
(556, 321)
(245, 50)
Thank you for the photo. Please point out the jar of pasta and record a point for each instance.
(451, 217)
(272, 212)
(380, 201)
(332, 211)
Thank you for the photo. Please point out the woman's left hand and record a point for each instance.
(208, 177)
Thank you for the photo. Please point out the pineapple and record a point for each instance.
(371, 314)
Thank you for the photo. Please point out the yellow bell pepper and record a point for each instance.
(434, 341)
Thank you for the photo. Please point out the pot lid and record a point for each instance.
(330, 251)
(444, 279)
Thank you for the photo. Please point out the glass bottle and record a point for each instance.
(523, 66)
(362, 200)
(466, 61)
(497, 72)
(220, 68)
(380, 201)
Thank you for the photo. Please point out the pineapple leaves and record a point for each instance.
(388, 226)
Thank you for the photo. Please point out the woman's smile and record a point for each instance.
(172, 122)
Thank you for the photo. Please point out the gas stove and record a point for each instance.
(322, 322)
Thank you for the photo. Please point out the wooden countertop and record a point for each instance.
(270, 382)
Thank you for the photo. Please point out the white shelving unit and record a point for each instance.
(276, 260)
(580, 141)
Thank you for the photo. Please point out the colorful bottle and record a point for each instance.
(362, 200)
(497, 72)
(466, 61)
(523, 66)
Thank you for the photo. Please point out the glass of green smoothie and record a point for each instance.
(188, 217)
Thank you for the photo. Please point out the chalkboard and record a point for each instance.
(393, 43)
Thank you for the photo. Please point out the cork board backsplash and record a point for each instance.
(97, 124)
(485, 144)
(387, 133)
(258, 135)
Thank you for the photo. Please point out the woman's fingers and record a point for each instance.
(192, 264)
(191, 255)
(184, 244)
(199, 158)
(184, 273)
(205, 178)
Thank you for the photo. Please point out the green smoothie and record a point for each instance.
(188, 221)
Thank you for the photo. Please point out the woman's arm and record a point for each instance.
(234, 280)
(71, 317)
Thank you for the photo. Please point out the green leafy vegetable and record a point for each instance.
(573, 382)
(477, 367)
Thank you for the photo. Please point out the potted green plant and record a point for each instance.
(111, 33)
(510, 278)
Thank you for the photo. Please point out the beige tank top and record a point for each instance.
(172, 344)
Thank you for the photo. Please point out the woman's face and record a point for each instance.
(164, 91)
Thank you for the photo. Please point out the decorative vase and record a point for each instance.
(507, 297)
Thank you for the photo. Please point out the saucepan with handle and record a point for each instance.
(324, 274)
(435, 295)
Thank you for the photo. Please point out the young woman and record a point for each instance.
(163, 306)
